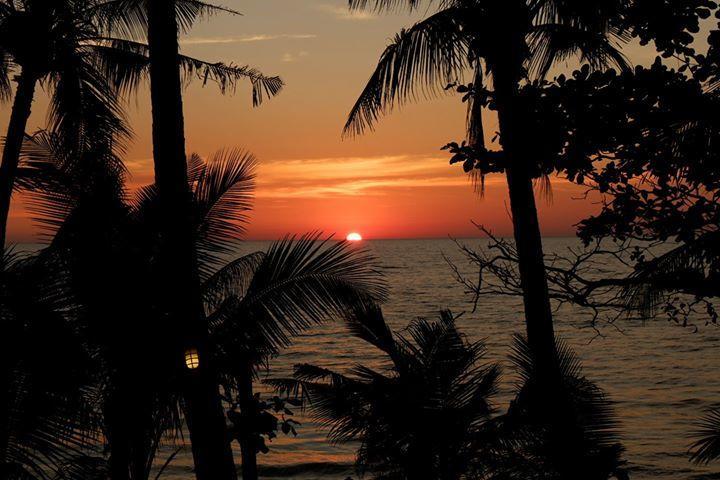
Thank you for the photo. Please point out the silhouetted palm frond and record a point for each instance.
(558, 42)
(47, 414)
(384, 5)
(297, 283)
(129, 17)
(691, 267)
(419, 62)
(126, 63)
(222, 198)
(558, 428)
(5, 67)
(707, 446)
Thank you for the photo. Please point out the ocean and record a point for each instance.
(661, 376)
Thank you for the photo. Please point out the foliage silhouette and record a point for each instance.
(47, 420)
(707, 448)
(253, 305)
(418, 416)
(567, 432)
(507, 43)
(178, 291)
(56, 44)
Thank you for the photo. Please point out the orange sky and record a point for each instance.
(393, 183)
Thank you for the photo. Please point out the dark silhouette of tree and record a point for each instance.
(504, 41)
(419, 417)
(644, 142)
(565, 430)
(257, 303)
(161, 22)
(54, 44)
(46, 411)
(252, 305)
(428, 412)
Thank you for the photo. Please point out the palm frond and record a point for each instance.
(367, 323)
(421, 61)
(124, 63)
(556, 42)
(227, 77)
(84, 110)
(127, 18)
(232, 280)
(563, 426)
(47, 419)
(383, 5)
(5, 85)
(299, 283)
(189, 11)
(707, 447)
(686, 268)
(222, 199)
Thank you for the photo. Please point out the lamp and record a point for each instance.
(192, 358)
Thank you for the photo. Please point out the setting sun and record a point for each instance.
(353, 237)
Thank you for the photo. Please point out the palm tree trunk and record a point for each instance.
(507, 73)
(248, 411)
(13, 143)
(179, 294)
(118, 436)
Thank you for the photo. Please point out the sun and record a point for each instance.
(353, 237)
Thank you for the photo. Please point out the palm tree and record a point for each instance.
(504, 41)
(563, 430)
(161, 22)
(55, 44)
(257, 303)
(46, 409)
(420, 417)
(252, 306)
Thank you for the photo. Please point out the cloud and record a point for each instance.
(290, 57)
(245, 38)
(355, 176)
(344, 13)
(342, 177)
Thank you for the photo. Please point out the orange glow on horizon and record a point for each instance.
(354, 237)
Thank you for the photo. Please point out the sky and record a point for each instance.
(394, 182)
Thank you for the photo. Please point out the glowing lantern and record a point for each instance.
(192, 358)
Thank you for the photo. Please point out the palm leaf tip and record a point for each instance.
(419, 62)
(707, 446)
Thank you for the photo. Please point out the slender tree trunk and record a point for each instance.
(118, 436)
(13, 144)
(248, 410)
(179, 293)
(507, 74)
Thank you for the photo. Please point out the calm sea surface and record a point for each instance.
(660, 375)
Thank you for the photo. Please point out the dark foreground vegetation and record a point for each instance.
(136, 323)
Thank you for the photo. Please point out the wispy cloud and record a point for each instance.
(324, 178)
(344, 13)
(246, 38)
(293, 57)
(342, 177)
